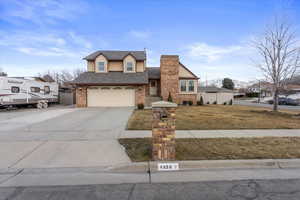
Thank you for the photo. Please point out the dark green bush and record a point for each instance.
(170, 98)
(215, 102)
(225, 103)
(140, 106)
(200, 102)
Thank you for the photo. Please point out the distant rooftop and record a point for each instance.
(214, 89)
(153, 72)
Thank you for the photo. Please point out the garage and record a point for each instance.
(110, 97)
(215, 95)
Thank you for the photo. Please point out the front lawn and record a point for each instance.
(213, 117)
(139, 149)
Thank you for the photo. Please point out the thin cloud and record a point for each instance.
(211, 61)
(140, 34)
(42, 11)
(50, 44)
(29, 38)
(210, 53)
(80, 40)
(47, 52)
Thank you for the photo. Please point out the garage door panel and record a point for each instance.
(110, 97)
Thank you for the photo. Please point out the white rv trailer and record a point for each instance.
(25, 91)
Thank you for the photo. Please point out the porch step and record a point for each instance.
(149, 100)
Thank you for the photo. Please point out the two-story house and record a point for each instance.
(122, 78)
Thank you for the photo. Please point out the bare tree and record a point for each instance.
(63, 76)
(279, 51)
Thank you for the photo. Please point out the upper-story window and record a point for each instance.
(187, 85)
(129, 67)
(101, 66)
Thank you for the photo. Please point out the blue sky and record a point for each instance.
(210, 36)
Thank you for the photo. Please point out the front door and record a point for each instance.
(153, 88)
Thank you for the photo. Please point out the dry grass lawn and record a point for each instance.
(213, 117)
(139, 149)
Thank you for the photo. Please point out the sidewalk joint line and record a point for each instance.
(28, 154)
(12, 176)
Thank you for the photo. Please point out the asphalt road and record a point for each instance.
(284, 107)
(223, 190)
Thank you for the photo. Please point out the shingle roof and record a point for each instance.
(213, 89)
(153, 72)
(113, 78)
(117, 55)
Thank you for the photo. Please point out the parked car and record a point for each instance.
(293, 102)
(281, 101)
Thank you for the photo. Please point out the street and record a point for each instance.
(275, 189)
(264, 105)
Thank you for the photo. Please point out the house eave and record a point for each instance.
(108, 84)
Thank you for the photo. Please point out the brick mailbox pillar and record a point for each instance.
(163, 130)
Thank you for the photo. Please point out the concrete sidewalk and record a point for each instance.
(190, 171)
(219, 133)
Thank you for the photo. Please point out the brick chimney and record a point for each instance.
(169, 77)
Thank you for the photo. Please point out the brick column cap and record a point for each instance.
(163, 104)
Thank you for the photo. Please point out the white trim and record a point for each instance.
(125, 61)
(133, 67)
(187, 86)
(97, 67)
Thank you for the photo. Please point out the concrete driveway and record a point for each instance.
(62, 137)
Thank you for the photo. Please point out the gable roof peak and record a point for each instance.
(116, 55)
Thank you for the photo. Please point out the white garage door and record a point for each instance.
(112, 97)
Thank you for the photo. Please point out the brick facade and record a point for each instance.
(187, 97)
(163, 132)
(81, 97)
(140, 94)
(169, 77)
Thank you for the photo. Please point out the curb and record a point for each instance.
(211, 165)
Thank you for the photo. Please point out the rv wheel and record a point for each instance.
(39, 105)
(45, 105)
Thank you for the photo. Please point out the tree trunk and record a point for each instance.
(275, 103)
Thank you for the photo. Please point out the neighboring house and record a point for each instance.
(212, 94)
(290, 89)
(264, 88)
(122, 78)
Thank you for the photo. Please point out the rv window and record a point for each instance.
(15, 89)
(35, 89)
(46, 89)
